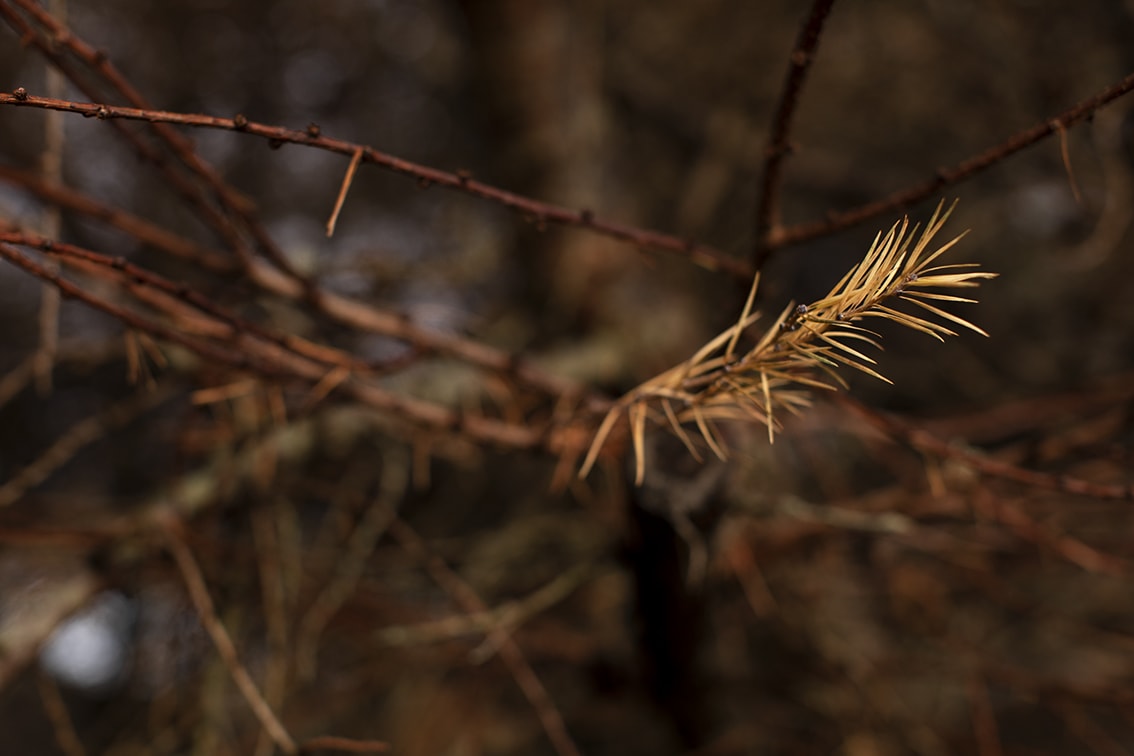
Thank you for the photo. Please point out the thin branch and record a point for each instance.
(463, 594)
(925, 441)
(144, 231)
(203, 603)
(191, 192)
(274, 596)
(183, 148)
(983, 717)
(56, 708)
(837, 221)
(347, 179)
(350, 566)
(509, 615)
(291, 367)
(14, 381)
(779, 141)
(1071, 549)
(136, 276)
(344, 310)
(345, 745)
(75, 439)
(51, 168)
(536, 211)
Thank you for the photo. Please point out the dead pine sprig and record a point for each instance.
(803, 348)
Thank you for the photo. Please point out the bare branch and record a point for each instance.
(837, 221)
(536, 211)
(779, 140)
(203, 603)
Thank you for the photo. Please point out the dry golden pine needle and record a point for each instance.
(803, 348)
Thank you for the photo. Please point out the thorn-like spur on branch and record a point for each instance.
(803, 347)
(542, 212)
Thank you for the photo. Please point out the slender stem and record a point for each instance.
(779, 141)
(538, 212)
(838, 221)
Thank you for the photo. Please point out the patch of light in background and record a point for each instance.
(91, 650)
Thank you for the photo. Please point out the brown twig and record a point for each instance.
(51, 168)
(465, 597)
(510, 614)
(151, 234)
(983, 717)
(925, 441)
(779, 141)
(346, 311)
(135, 275)
(75, 439)
(349, 567)
(837, 221)
(539, 212)
(355, 159)
(229, 198)
(203, 603)
(189, 191)
(1072, 550)
(62, 726)
(276, 669)
(279, 365)
(346, 745)
(17, 378)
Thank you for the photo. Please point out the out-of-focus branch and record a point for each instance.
(60, 591)
(241, 353)
(51, 168)
(341, 309)
(203, 603)
(511, 654)
(76, 438)
(923, 440)
(349, 567)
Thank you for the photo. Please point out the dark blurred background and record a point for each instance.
(858, 599)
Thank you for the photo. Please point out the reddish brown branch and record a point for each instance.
(345, 745)
(236, 204)
(232, 358)
(283, 366)
(147, 233)
(510, 653)
(779, 141)
(925, 441)
(134, 275)
(206, 612)
(188, 190)
(539, 212)
(346, 311)
(347, 180)
(837, 221)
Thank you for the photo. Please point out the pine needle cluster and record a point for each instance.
(803, 348)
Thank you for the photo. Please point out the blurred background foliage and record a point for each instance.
(856, 598)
